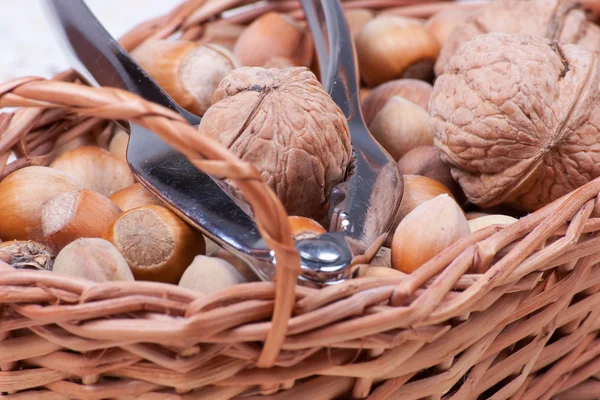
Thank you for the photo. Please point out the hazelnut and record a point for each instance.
(239, 264)
(303, 227)
(94, 259)
(22, 195)
(95, 169)
(411, 89)
(517, 120)
(73, 215)
(134, 196)
(357, 18)
(274, 35)
(488, 220)
(156, 244)
(443, 23)
(279, 62)
(284, 123)
(222, 33)
(417, 190)
(426, 161)
(427, 231)
(401, 126)
(390, 47)
(210, 274)
(189, 72)
(118, 144)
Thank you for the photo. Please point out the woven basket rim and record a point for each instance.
(155, 336)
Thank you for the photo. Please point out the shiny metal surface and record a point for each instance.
(362, 208)
(194, 195)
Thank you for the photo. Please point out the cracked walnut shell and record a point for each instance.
(283, 122)
(517, 118)
(560, 20)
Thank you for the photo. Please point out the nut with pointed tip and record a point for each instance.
(357, 18)
(489, 220)
(401, 126)
(156, 244)
(61, 147)
(94, 259)
(239, 264)
(222, 33)
(274, 35)
(118, 144)
(304, 228)
(72, 215)
(444, 22)
(134, 196)
(95, 169)
(417, 190)
(210, 274)
(427, 231)
(188, 71)
(26, 254)
(411, 89)
(426, 161)
(280, 62)
(390, 47)
(22, 195)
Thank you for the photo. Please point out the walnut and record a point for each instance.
(559, 20)
(283, 122)
(517, 118)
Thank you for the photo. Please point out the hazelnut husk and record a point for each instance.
(391, 47)
(27, 254)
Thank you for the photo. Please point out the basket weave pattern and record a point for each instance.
(503, 313)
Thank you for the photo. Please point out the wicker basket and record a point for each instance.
(526, 328)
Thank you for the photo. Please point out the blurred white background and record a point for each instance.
(28, 46)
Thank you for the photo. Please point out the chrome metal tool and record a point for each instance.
(362, 209)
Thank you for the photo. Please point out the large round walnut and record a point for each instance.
(283, 122)
(560, 20)
(517, 118)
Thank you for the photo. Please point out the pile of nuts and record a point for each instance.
(488, 118)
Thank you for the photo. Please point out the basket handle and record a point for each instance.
(204, 153)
